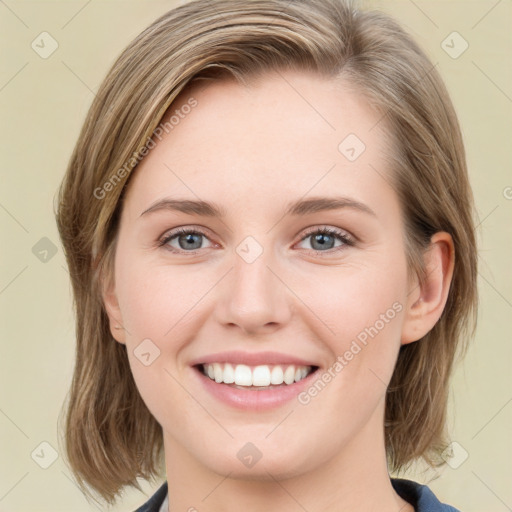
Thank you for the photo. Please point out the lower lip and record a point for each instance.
(254, 399)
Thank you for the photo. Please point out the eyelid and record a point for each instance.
(331, 229)
(347, 238)
(171, 233)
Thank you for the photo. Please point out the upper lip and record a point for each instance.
(252, 359)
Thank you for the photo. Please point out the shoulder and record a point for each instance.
(419, 496)
(155, 502)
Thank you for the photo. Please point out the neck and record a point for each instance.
(354, 479)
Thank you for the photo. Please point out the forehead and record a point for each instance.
(284, 134)
(278, 107)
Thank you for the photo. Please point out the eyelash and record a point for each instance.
(341, 235)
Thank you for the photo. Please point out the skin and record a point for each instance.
(253, 150)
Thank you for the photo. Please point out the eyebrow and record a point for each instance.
(301, 207)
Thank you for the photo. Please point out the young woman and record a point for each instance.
(269, 230)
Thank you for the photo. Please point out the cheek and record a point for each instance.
(363, 308)
(154, 305)
(366, 317)
(156, 301)
(352, 299)
(159, 306)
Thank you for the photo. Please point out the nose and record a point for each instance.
(254, 297)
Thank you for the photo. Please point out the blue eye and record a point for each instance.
(323, 240)
(188, 240)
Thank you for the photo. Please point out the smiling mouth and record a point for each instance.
(241, 376)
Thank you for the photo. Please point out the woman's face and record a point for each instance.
(284, 159)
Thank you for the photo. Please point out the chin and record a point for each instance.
(244, 464)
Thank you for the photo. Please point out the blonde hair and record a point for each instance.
(111, 438)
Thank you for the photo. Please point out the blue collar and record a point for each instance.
(418, 495)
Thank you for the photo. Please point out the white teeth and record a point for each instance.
(258, 376)
(277, 375)
(243, 375)
(289, 375)
(261, 376)
(217, 372)
(229, 374)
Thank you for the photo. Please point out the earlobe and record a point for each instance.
(426, 301)
(113, 312)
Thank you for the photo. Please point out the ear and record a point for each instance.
(426, 301)
(113, 311)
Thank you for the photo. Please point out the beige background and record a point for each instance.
(43, 103)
